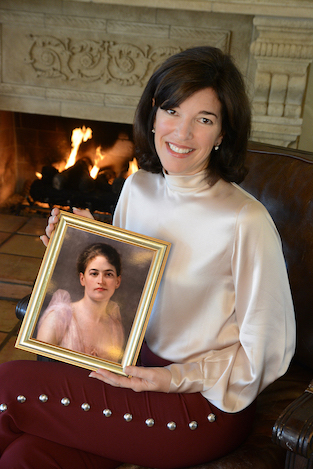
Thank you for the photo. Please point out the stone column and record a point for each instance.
(283, 50)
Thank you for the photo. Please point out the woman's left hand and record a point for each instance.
(140, 378)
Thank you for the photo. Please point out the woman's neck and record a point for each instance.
(94, 310)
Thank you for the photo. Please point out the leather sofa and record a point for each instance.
(282, 437)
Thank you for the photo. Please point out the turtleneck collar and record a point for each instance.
(194, 182)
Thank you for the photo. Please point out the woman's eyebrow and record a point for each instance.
(208, 113)
(105, 270)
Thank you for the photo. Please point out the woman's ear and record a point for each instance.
(118, 282)
(220, 139)
(82, 279)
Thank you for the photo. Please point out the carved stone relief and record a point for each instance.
(124, 64)
(70, 62)
(283, 51)
(95, 66)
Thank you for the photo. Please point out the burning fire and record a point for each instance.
(133, 167)
(122, 150)
(78, 136)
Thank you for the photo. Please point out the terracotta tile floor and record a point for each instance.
(21, 252)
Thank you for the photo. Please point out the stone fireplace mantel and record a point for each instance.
(92, 59)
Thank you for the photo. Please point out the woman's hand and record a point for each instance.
(54, 218)
(140, 378)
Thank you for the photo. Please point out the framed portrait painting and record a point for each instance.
(93, 295)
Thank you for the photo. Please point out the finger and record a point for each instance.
(53, 219)
(45, 240)
(55, 211)
(49, 229)
(82, 212)
(110, 378)
(136, 371)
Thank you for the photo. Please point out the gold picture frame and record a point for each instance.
(143, 263)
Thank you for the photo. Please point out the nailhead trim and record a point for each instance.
(43, 397)
(171, 425)
(107, 412)
(85, 406)
(128, 417)
(193, 425)
(211, 418)
(3, 407)
(65, 401)
(21, 399)
(150, 422)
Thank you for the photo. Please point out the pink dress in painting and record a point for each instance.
(107, 337)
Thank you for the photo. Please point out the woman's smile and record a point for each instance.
(185, 135)
(179, 151)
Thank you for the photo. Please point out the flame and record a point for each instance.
(133, 167)
(78, 136)
(99, 157)
(121, 150)
(94, 171)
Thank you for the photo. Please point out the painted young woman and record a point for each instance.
(93, 324)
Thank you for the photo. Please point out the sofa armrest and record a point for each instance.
(293, 429)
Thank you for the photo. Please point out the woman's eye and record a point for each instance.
(170, 111)
(205, 120)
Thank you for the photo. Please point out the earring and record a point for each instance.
(153, 131)
(216, 147)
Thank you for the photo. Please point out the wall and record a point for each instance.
(7, 155)
(92, 59)
(306, 137)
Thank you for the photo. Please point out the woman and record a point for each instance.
(93, 324)
(222, 327)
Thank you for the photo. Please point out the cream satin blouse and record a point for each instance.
(223, 313)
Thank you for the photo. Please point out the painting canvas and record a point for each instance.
(96, 318)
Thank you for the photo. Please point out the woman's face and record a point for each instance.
(100, 279)
(185, 135)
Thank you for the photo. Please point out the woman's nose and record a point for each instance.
(101, 279)
(184, 130)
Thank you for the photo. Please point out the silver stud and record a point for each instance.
(171, 425)
(149, 422)
(211, 418)
(3, 407)
(107, 412)
(85, 406)
(21, 398)
(128, 417)
(43, 397)
(193, 425)
(65, 401)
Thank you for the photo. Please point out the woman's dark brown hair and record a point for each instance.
(179, 77)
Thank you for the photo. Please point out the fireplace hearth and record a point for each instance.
(36, 151)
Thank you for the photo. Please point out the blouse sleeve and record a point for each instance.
(233, 376)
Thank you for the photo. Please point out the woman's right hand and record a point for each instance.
(54, 218)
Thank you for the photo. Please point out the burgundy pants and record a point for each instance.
(54, 416)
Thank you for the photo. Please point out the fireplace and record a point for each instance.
(89, 61)
(51, 160)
